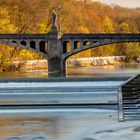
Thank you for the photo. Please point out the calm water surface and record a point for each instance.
(64, 124)
(118, 70)
(107, 71)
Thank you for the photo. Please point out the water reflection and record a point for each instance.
(122, 70)
(59, 126)
(115, 70)
(70, 126)
(28, 128)
(23, 75)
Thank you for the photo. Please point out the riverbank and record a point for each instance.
(95, 61)
(26, 66)
(42, 65)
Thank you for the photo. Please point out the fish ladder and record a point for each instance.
(129, 99)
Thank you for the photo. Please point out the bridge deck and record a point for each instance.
(25, 36)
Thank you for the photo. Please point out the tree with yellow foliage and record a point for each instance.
(5, 23)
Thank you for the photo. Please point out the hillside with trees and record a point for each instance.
(33, 16)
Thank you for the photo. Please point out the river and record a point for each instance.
(100, 71)
(44, 122)
(105, 71)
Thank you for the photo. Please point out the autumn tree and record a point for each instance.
(33, 16)
(5, 22)
(130, 50)
(108, 25)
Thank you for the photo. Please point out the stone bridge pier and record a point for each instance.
(56, 64)
(56, 67)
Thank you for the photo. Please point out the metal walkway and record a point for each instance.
(129, 99)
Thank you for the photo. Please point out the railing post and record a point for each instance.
(120, 105)
(72, 45)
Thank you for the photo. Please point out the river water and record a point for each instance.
(118, 70)
(61, 123)
(105, 71)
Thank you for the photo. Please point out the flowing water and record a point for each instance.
(44, 122)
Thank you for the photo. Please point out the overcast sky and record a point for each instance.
(125, 3)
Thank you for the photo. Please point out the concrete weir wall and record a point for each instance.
(31, 65)
(95, 61)
(42, 65)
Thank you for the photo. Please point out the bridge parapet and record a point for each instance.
(101, 36)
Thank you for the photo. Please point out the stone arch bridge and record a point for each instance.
(57, 47)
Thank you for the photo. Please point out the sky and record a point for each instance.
(124, 3)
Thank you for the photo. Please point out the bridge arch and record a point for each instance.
(28, 45)
(89, 44)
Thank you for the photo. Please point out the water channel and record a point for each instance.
(65, 123)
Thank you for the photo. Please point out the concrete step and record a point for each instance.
(130, 98)
(57, 98)
(131, 112)
(132, 118)
(130, 107)
(130, 89)
(58, 106)
(130, 93)
(57, 89)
